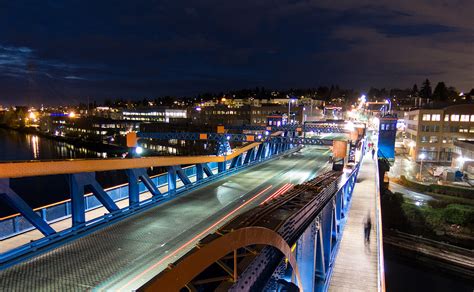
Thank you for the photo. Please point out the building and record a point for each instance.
(89, 128)
(464, 155)
(222, 114)
(153, 114)
(430, 133)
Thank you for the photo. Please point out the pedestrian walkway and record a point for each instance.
(356, 267)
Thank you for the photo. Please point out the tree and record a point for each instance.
(441, 92)
(414, 90)
(452, 93)
(425, 91)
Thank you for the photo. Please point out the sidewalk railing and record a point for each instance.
(378, 221)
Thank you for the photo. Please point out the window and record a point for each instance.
(433, 139)
(424, 139)
(446, 118)
(454, 118)
(426, 117)
(464, 118)
(436, 117)
(472, 118)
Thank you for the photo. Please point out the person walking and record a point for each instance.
(373, 153)
(367, 228)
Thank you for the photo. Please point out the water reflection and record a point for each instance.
(20, 146)
(35, 146)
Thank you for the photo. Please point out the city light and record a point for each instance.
(139, 150)
(349, 126)
(422, 156)
(72, 114)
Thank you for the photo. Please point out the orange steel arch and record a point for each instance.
(192, 265)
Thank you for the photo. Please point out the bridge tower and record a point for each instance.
(387, 133)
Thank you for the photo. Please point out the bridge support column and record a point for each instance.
(182, 176)
(306, 257)
(171, 180)
(77, 184)
(249, 156)
(202, 169)
(221, 166)
(320, 276)
(134, 176)
(326, 229)
(236, 161)
(260, 152)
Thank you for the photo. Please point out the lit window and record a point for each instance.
(433, 139)
(436, 117)
(454, 118)
(426, 117)
(472, 118)
(446, 118)
(464, 118)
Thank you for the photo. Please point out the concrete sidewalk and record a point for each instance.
(355, 268)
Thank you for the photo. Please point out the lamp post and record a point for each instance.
(422, 156)
(389, 105)
(289, 109)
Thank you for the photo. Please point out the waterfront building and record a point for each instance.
(431, 133)
(154, 114)
(89, 128)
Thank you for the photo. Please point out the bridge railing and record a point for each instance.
(311, 224)
(81, 177)
(378, 215)
(16, 224)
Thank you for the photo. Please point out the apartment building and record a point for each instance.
(431, 133)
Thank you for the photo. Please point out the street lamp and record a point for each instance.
(422, 156)
(289, 109)
(389, 105)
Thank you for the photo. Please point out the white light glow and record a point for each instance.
(139, 150)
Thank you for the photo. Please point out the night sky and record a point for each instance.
(63, 51)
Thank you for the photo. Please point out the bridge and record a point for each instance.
(208, 221)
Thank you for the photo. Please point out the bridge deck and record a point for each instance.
(128, 253)
(355, 268)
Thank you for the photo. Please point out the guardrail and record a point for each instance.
(378, 215)
(16, 224)
(81, 175)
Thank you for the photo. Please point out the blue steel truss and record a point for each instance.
(176, 181)
(224, 139)
(316, 126)
(315, 248)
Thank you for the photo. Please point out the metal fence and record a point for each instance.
(17, 224)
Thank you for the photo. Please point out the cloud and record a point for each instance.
(456, 13)
(377, 55)
(74, 78)
(150, 48)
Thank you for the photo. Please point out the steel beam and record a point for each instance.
(134, 176)
(77, 184)
(13, 200)
(306, 257)
(171, 180)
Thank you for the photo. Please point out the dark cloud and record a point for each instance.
(64, 51)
